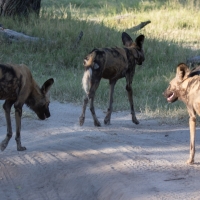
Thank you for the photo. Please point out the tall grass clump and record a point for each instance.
(172, 36)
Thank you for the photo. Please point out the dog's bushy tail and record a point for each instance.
(87, 76)
(86, 80)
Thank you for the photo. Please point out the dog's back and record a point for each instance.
(11, 80)
(110, 63)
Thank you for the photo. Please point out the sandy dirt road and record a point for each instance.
(64, 161)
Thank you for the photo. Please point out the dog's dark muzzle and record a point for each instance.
(140, 61)
(44, 114)
(47, 114)
(170, 96)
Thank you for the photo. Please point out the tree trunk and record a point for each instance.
(19, 7)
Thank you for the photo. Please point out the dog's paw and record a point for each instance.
(4, 144)
(190, 162)
(21, 148)
(97, 123)
(134, 120)
(81, 120)
(107, 121)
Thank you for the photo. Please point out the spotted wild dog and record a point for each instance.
(112, 64)
(17, 87)
(185, 87)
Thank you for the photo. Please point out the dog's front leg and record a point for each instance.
(129, 78)
(130, 98)
(18, 115)
(7, 107)
(192, 124)
(109, 111)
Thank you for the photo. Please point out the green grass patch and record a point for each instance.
(173, 30)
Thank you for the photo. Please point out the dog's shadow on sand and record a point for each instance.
(196, 164)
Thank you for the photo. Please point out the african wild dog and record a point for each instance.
(185, 87)
(111, 64)
(18, 87)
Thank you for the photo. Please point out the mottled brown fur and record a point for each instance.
(186, 87)
(17, 87)
(112, 64)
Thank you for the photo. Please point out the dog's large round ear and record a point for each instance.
(47, 85)
(126, 39)
(140, 40)
(182, 71)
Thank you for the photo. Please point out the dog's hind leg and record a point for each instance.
(94, 85)
(91, 95)
(109, 111)
(18, 115)
(86, 83)
(7, 107)
(82, 117)
(96, 121)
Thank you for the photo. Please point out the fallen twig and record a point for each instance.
(175, 179)
(139, 26)
(13, 36)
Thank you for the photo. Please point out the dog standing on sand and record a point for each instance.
(17, 87)
(186, 87)
(112, 64)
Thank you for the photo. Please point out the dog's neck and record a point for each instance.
(192, 83)
(34, 95)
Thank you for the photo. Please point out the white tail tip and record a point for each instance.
(86, 80)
